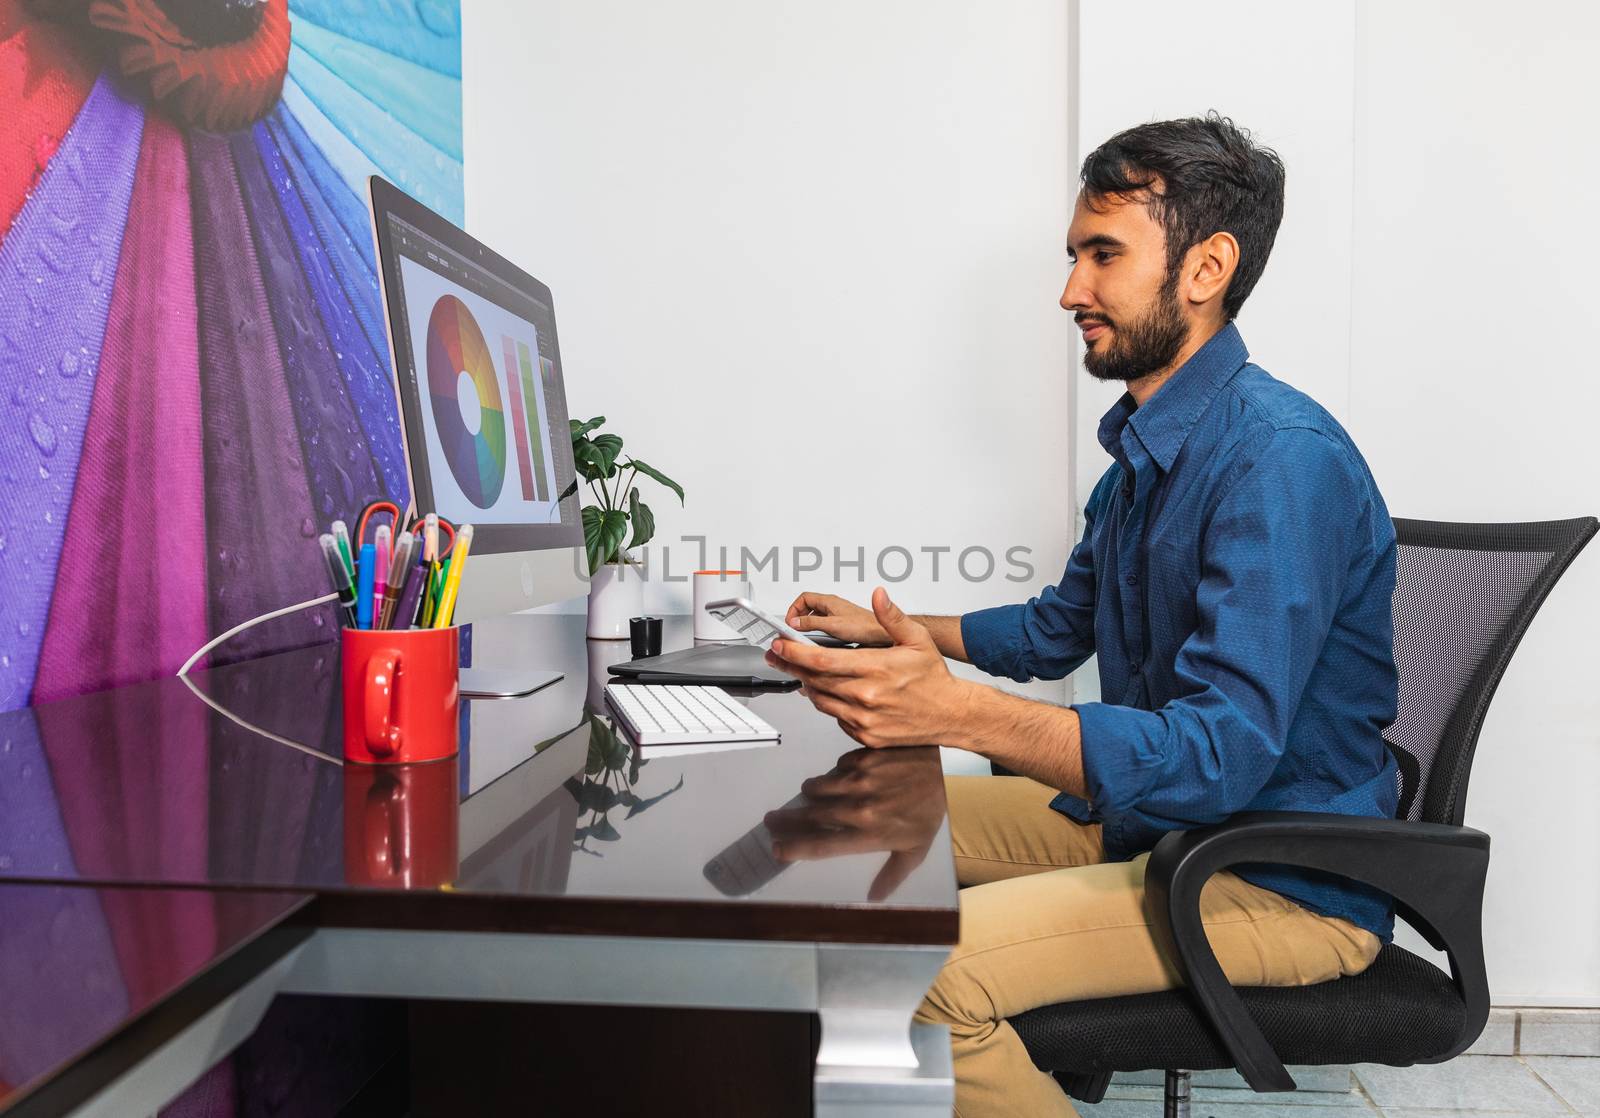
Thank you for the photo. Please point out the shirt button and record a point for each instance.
(1135, 668)
(1133, 580)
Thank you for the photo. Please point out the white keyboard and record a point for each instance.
(679, 715)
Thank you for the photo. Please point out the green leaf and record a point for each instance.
(652, 472)
(569, 491)
(603, 530)
(644, 521)
(590, 460)
(602, 830)
(581, 429)
(608, 447)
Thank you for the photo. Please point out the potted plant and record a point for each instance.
(616, 587)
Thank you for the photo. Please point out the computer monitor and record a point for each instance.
(477, 369)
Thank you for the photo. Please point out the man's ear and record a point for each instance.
(1208, 268)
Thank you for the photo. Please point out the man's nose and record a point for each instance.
(1076, 295)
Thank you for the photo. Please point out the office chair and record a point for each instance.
(1464, 595)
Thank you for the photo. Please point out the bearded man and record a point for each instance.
(1234, 581)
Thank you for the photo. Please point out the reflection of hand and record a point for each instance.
(872, 800)
(903, 695)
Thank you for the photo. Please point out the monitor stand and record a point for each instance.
(504, 683)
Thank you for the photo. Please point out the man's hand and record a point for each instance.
(872, 800)
(831, 614)
(901, 695)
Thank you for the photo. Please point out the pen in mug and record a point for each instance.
(340, 576)
(452, 585)
(380, 572)
(364, 569)
(430, 536)
(341, 537)
(394, 584)
(440, 572)
(409, 610)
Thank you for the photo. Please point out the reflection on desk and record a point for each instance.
(549, 818)
(79, 967)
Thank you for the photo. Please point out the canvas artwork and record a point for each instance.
(194, 373)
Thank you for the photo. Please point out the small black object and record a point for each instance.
(645, 635)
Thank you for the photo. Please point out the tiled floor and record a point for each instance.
(1467, 1087)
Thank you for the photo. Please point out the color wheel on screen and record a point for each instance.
(456, 346)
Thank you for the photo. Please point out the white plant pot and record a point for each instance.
(616, 593)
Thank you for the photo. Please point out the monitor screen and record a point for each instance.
(478, 373)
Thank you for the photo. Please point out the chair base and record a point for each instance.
(1175, 1098)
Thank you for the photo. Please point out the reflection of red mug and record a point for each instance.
(402, 825)
(401, 694)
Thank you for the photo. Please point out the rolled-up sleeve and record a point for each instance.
(1275, 557)
(1049, 636)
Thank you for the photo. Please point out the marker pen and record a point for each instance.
(340, 577)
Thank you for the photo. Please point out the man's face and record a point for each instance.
(1120, 292)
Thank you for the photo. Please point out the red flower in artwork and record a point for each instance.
(216, 66)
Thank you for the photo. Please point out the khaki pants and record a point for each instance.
(1046, 919)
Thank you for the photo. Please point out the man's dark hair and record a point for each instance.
(1199, 176)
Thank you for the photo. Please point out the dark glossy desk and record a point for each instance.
(578, 874)
(94, 982)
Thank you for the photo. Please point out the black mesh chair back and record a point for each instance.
(1464, 595)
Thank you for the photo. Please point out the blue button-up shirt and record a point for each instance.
(1235, 580)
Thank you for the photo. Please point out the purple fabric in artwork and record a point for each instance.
(261, 530)
(57, 266)
(123, 614)
(342, 221)
(366, 375)
(338, 461)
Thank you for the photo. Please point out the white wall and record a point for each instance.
(1473, 392)
(834, 229)
(1433, 286)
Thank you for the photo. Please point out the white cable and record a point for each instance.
(242, 626)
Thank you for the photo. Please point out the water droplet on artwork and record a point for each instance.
(70, 363)
(308, 528)
(23, 628)
(44, 436)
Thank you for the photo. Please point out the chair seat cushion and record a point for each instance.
(1400, 1010)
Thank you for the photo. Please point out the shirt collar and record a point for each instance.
(1163, 423)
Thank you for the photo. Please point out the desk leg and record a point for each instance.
(873, 1060)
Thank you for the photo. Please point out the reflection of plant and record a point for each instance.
(609, 775)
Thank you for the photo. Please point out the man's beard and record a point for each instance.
(1143, 346)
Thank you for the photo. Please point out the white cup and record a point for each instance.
(713, 586)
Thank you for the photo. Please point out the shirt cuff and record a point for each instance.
(994, 641)
(1117, 744)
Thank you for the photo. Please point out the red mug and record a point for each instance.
(401, 695)
(402, 825)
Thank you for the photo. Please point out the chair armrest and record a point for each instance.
(1435, 874)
